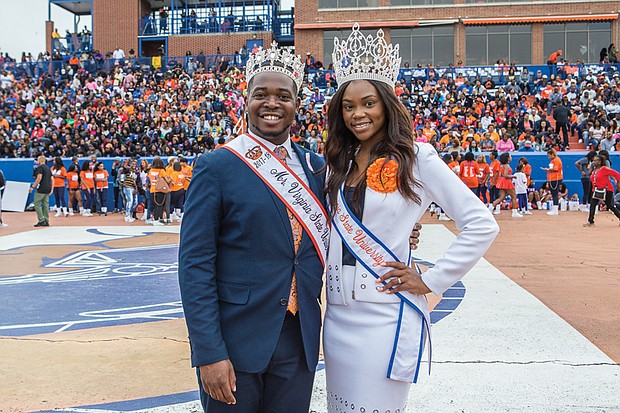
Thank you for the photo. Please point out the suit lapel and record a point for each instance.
(315, 186)
(310, 175)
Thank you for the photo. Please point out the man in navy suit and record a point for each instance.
(237, 262)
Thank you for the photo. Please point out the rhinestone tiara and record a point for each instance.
(365, 58)
(277, 60)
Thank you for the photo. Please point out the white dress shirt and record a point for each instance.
(292, 161)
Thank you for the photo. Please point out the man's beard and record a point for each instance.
(262, 134)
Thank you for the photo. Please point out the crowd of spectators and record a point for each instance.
(129, 112)
(531, 112)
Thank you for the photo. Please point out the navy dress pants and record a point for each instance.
(284, 387)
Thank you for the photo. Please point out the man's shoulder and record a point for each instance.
(315, 159)
(216, 156)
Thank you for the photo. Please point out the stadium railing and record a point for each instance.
(319, 77)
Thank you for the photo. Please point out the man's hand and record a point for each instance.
(219, 381)
(414, 237)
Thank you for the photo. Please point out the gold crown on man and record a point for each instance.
(366, 57)
(277, 60)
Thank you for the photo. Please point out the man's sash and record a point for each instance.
(371, 253)
(287, 186)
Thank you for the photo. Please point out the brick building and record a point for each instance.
(476, 32)
(438, 32)
(175, 27)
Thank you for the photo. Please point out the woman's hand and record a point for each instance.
(402, 278)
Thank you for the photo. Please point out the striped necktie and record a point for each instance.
(297, 229)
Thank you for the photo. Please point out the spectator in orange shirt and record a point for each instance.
(187, 170)
(37, 112)
(158, 197)
(527, 169)
(101, 184)
(553, 58)
(428, 131)
(177, 191)
(554, 178)
(471, 132)
(449, 118)
(74, 62)
(59, 174)
(493, 133)
(4, 123)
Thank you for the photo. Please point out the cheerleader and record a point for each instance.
(101, 182)
(59, 173)
(73, 181)
(506, 187)
(87, 185)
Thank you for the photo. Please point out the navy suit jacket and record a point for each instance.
(236, 260)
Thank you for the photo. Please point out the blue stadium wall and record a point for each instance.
(21, 170)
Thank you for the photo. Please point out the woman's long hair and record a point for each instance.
(58, 163)
(341, 146)
(158, 163)
(504, 158)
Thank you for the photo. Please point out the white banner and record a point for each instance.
(15, 196)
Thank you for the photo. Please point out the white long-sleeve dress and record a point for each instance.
(373, 341)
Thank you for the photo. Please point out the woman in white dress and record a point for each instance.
(379, 184)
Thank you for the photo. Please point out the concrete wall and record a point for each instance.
(20, 170)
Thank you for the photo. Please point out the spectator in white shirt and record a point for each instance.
(486, 120)
(520, 182)
(6, 80)
(118, 54)
(18, 133)
(607, 144)
(612, 108)
(30, 107)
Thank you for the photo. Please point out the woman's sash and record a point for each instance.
(371, 253)
(287, 186)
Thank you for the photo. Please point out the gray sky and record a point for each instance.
(23, 25)
(22, 28)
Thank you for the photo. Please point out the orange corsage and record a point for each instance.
(381, 176)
